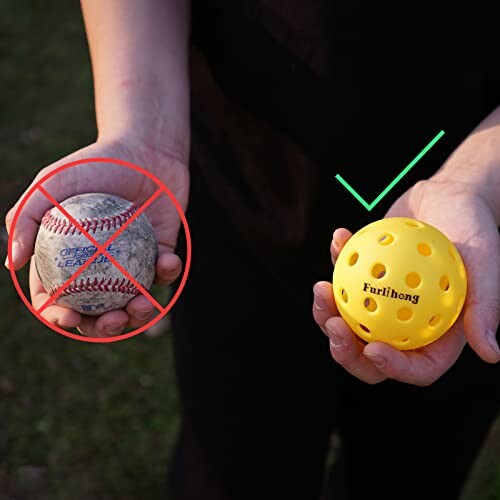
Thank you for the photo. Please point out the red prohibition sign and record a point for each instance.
(163, 310)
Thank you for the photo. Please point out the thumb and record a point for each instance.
(168, 266)
(482, 307)
(24, 233)
(166, 223)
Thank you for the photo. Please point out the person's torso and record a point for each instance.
(288, 93)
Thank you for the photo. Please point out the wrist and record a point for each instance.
(475, 187)
(143, 115)
(474, 167)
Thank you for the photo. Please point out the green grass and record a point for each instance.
(484, 479)
(78, 421)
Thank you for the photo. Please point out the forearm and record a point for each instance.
(139, 53)
(476, 162)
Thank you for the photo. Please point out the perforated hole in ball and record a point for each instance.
(444, 283)
(344, 295)
(434, 320)
(401, 341)
(365, 329)
(424, 249)
(370, 304)
(413, 280)
(413, 223)
(378, 271)
(404, 313)
(385, 239)
(353, 258)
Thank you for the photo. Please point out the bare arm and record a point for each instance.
(139, 53)
(463, 200)
(476, 163)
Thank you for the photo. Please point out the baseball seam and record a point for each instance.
(57, 225)
(96, 285)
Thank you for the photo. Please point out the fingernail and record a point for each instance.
(16, 249)
(336, 341)
(142, 315)
(491, 337)
(319, 303)
(113, 329)
(378, 360)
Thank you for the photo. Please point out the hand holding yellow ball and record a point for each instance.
(399, 281)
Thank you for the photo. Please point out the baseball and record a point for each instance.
(61, 248)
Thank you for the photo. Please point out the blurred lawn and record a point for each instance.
(79, 421)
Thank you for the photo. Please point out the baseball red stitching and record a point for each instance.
(63, 226)
(102, 285)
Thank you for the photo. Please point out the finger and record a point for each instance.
(324, 306)
(133, 323)
(168, 268)
(480, 336)
(26, 228)
(140, 311)
(482, 307)
(109, 324)
(55, 314)
(421, 367)
(339, 239)
(347, 350)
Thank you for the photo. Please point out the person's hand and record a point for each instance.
(468, 221)
(169, 167)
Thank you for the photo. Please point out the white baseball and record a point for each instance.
(61, 248)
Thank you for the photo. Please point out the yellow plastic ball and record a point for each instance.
(399, 281)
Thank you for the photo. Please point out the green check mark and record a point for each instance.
(417, 158)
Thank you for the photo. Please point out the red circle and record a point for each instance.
(185, 273)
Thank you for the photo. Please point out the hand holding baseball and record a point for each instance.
(167, 166)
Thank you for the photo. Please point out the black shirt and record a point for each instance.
(286, 94)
